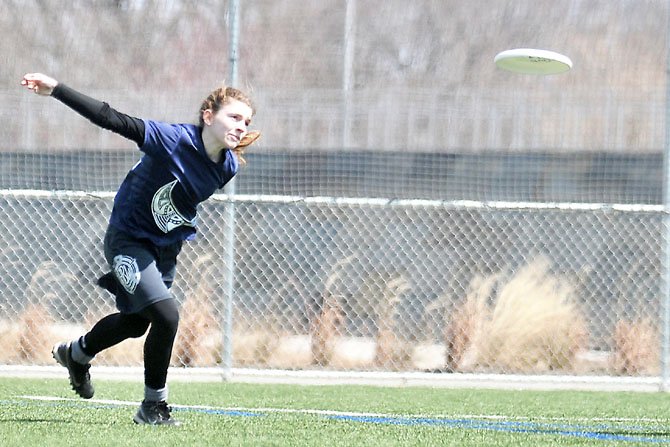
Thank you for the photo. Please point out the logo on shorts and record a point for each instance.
(127, 272)
(165, 213)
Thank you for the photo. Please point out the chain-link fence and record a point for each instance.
(361, 284)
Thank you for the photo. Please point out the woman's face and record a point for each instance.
(229, 124)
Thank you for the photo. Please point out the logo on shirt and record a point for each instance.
(127, 272)
(165, 213)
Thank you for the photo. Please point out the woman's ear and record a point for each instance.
(207, 116)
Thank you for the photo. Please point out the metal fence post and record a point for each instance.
(229, 223)
(665, 224)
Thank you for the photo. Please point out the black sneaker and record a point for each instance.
(80, 379)
(155, 413)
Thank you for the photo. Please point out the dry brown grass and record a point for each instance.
(325, 327)
(636, 347)
(324, 330)
(29, 338)
(268, 338)
(130, 352)
(390, 352)
(255, 343)
(466, 320)
(535, 324)
(197, 342)
(35, 338)
(529, 323)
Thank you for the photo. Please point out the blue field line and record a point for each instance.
(579, 431)
(219, 412)
(600, 431)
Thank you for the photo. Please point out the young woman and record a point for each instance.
(155, 210)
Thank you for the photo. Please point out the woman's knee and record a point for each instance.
(135, 325)
(164, 314)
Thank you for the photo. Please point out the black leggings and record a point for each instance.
(162, 316)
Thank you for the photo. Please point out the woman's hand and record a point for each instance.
(39, 83)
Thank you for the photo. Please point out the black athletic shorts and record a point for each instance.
(142, 273)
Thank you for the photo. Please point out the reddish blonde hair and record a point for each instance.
(220, 97)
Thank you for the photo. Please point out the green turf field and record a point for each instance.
(45, 412)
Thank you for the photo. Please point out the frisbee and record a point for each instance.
(531, 61)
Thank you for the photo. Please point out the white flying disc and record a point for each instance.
(531, 61)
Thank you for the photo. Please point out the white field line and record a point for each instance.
(493, 417)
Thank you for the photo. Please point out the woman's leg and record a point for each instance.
(164, 318)
(112, 330)
(76, 355)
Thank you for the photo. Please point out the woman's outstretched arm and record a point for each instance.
(98, 112)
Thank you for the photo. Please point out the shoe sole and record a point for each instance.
(63, 363)
(140, 421)
(56, 356)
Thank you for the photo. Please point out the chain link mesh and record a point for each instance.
(361, 284)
